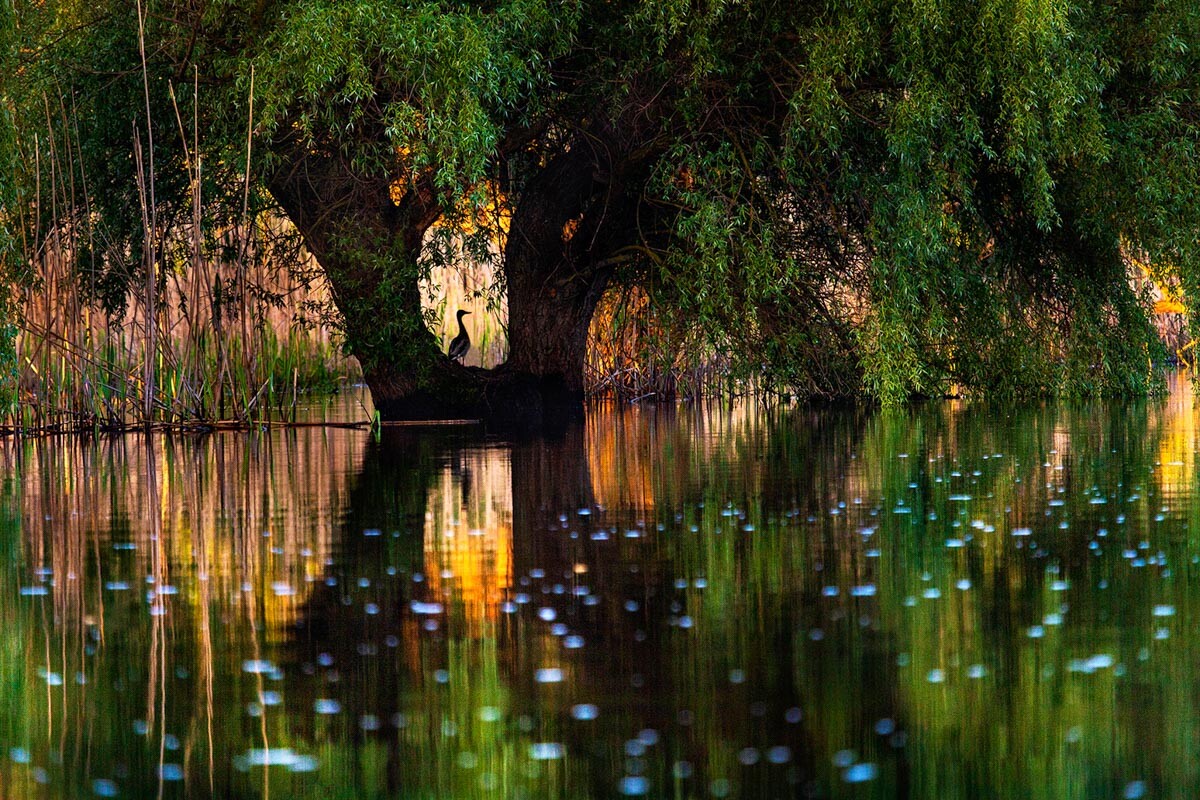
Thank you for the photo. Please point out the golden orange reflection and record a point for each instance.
(468, 533)
(1177, 445)
(636, 448)
(252, 532)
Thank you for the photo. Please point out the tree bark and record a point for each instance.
(571, 216)
(368, 244)
(571, 219)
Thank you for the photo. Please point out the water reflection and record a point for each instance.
(954, 601)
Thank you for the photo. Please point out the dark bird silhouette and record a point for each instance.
(460, 344)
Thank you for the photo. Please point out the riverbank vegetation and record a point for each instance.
(828, 201)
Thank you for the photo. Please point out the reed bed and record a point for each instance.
(216, 315)
(79, 368)
(213, 361)
(635, 354)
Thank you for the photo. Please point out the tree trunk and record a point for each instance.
(368, 245)
(570, 218)
(569, 222)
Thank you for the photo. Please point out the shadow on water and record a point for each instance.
(950, 601)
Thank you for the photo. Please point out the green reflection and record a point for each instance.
(749, 602)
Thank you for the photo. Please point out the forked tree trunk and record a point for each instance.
(569, 220)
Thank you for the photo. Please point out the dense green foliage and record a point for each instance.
(881, 197)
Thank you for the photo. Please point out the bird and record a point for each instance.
(460, 344)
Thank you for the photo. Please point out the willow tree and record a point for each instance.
(850, 197)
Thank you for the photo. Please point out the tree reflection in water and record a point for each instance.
(691, 602)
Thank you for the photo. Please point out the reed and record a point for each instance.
(468, 285)
(218, 326)
(635, 353)
(214, 328)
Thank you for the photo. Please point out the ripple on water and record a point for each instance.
(860, 773)
(103, 787)
(779, 754)
(584, 711)
(170, 772)
(1134, 790)
(266, 757)
(546, 751)
(633, 786)
(419, 607)
(327, 706)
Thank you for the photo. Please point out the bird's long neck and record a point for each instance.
(461, 328)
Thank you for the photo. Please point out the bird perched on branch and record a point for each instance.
(460, 344)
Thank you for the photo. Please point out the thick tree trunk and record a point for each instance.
(551, 301)
(570, 221)
(368, 244)
(570, 218)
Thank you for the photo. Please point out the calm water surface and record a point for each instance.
(957, 601)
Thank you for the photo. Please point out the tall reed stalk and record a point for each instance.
(181, 351)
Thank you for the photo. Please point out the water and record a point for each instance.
(952, 602)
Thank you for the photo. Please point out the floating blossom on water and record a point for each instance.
(327, 706)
